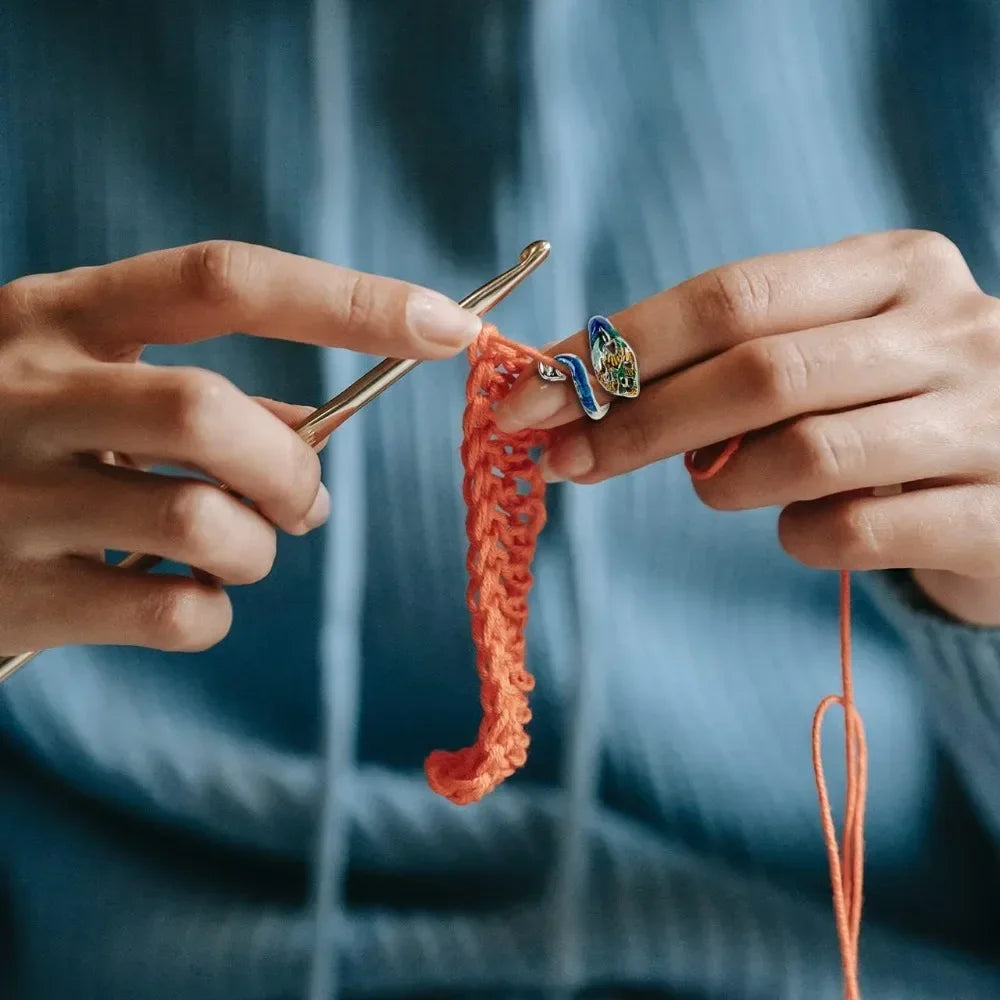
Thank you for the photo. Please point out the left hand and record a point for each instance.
(868, 363)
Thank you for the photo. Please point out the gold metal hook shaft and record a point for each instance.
(322, 422)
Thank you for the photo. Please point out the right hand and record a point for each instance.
(80, 416)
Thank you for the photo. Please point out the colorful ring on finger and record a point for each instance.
(615, 366)
(581, 383)
(614, 361)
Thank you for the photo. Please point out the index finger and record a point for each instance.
(199, 291)
(712, 312)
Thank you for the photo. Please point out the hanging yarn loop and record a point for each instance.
(504, 497)
(846, 861)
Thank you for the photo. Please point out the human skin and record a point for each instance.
(852, 368)
(82, 420)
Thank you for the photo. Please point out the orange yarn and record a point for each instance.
(504, 495)
(502, 524)
(847, 862)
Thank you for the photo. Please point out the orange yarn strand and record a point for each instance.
(847, 866)
(502, 525)
(504, 495)
(847, 862)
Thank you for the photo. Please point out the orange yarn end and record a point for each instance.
(504, 495)
(847, 862)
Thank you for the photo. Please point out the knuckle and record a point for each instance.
(196, 518)
(189, 514)
(988, 314)
(216, 271)
(172, 618)
(821, 456)
(776, 370)
(929, 251)
(734, 297)
(194, 399)
(857, 538)
(35, 387)
(177, 619)
(361, 301)
(979, 327)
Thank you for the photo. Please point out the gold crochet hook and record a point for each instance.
(322, 422)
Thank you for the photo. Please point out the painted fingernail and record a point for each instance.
(531, 406)
(319, 511)
(569, 458)
(439, 321)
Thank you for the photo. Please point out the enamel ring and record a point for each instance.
(615, 367)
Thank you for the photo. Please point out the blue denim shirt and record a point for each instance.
(252, 822)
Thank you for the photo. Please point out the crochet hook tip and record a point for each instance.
(331, 415)
(538, 250)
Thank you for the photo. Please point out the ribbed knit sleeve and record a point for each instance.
(959, 665)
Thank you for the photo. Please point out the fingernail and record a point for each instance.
(319, 511)
(569, 458)
(530, 406)
(438, 320)
(703, 459)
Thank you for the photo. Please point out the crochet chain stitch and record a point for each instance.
(504, 496)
